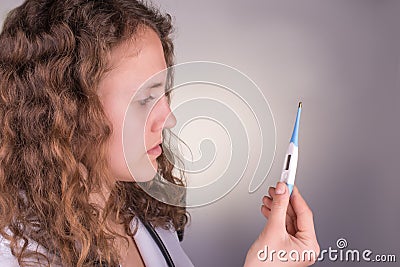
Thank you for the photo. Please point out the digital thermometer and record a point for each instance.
(292, 154)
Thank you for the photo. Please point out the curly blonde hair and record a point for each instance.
(53, 53)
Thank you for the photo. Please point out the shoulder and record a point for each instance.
(6, 257)
(149, 249)
(9, 260)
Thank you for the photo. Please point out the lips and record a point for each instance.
(156, 150)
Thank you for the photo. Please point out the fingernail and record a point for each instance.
(280, 189)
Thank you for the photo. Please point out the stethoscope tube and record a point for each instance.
(159, 243)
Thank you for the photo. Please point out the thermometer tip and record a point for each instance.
(300, 104)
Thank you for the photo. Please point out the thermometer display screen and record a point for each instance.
(288, 162)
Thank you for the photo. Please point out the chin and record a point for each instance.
(143, 170)
(144, 175)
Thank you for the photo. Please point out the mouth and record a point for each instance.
(155, 151)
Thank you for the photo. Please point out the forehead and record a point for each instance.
(134, 61)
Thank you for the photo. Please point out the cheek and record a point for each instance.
(134, 155)
(127, 151)
(125, 139)
(133, 137)
(115, 149)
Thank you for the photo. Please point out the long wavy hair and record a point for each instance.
(53, 54)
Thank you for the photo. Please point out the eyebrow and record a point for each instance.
(154, 85)
(151, 86)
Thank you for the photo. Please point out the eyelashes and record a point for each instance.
(146, 100)
(150, 98)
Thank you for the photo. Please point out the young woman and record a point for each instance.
(68, 70)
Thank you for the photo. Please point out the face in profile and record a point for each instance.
(136, 106)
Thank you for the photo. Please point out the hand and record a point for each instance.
(290, 227)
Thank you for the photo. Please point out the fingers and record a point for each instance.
(265, 211)
(279, 205)
(271, 191)
(291, 226)
(305, 221)
(267, 201)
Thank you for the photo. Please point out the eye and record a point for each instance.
(146, 100)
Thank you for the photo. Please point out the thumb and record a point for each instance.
(280, 201)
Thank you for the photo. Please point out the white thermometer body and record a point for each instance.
(292, 154)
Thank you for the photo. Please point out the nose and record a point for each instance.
(163, 116)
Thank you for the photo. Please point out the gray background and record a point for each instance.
(341, 58)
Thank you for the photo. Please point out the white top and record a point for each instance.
(148, 248)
